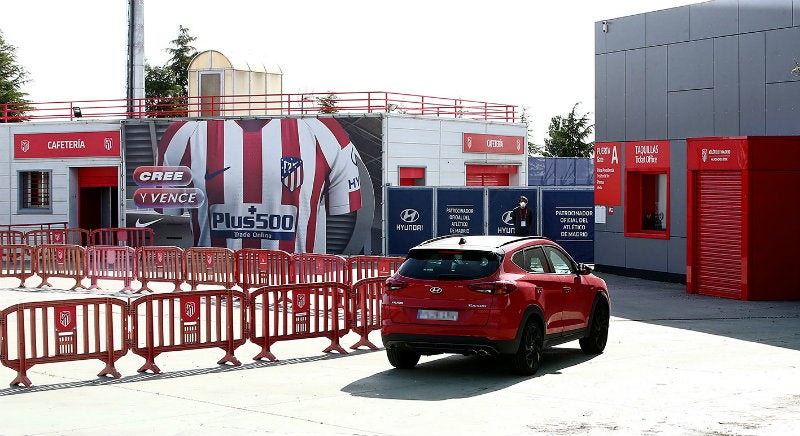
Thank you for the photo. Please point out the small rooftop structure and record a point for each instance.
(219, 81)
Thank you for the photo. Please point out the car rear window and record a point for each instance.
(449, 264)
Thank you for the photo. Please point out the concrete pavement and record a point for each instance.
(675, 364)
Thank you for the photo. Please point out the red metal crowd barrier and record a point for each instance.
(60, 260)
(63, 331)
(209, 266)
(11, 237)
(365, 316)
(365, 267)
(256, 268)
(16, 261)
(315, 268)
(188, 321)
(42, 226)
(128, 236)
(298, 311)
(72, 236)
(159, 264)
(111, 263)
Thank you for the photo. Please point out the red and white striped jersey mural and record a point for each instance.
(268, 183)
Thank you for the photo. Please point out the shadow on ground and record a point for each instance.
(456, 376)
(774, 323)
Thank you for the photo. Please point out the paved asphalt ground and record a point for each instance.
(675, 364)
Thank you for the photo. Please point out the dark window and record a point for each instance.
(647, 203)
(560, 261)
(531, 260)
(449, 264)
(35, 191)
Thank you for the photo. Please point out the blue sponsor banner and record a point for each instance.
(568, 219)
(409, 219)
(502, 202)
(459, 211)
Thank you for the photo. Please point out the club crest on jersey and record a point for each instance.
(291, 172)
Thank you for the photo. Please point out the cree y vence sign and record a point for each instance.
(66, 144)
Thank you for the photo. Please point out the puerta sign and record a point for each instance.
(459, 211)
(502, 202)
(409, 218)
(568, 219)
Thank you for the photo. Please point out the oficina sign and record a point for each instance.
(66, 144)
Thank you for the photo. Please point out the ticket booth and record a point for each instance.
(743, 217)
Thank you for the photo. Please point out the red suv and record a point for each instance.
(505, 296)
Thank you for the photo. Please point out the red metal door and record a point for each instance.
(718, 233)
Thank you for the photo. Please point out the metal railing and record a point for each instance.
(260, 104)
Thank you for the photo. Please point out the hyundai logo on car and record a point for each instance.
(436, 290)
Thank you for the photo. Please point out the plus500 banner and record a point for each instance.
(409, 218)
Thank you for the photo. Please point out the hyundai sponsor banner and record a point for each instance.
(459, 211)
(502, 202)
(409, 219)
(568, 219)
(301, 185)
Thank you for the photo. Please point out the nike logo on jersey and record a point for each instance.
(141, 224)
(210, 176)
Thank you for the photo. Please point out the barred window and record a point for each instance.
(35, 191)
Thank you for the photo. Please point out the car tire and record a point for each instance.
(596, 341)
(402, 358)
(528, 357)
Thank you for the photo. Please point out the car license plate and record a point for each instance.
(439, 315)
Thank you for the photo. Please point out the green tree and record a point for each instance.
(568, 136)
(13, 102)
(327, 103)
(166, 87)
(533, 149)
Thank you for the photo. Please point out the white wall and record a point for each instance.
(437, 145)
(64, 199)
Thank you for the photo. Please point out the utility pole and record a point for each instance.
(135, 88)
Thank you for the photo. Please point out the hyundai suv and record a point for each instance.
(504, 296)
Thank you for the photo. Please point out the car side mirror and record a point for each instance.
(584, 269)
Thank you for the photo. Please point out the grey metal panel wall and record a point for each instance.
(667, 26)
(756, 15)
(615, 95)
(690, 65)
(782, 49)
(752, 76)
(676, 255)
(717, 18)
(677, 188)
(609, 249)
(625, 33)
(726, 86)
(646, 254)
(656, 94)
(600, 115)
(599, 38)
(783, 108)
(796, 13)
(691, 113)
(635, 122)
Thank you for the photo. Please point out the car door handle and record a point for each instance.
(567, 289)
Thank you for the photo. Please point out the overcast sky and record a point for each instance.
(532, 53)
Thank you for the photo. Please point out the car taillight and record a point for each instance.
(395, 284)
(500, 287)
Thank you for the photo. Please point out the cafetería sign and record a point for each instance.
(66, 145)
(480, 143)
